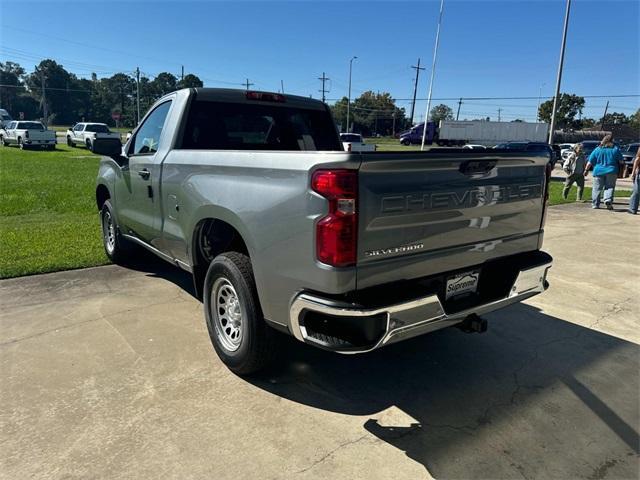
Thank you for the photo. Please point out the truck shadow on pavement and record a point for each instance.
(534, 396)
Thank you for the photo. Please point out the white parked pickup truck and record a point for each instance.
(353, 142)
(28, 134)
(86, 133)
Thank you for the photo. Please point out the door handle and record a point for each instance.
(144, 173)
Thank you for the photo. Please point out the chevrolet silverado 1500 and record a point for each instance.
(28, 134)
(86, 133)
(281, 229)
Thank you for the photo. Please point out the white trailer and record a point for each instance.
(490, 133)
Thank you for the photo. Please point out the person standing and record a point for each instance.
(635, 178)
(605, 161)
(574, 168)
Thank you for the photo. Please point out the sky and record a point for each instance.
(487, 48)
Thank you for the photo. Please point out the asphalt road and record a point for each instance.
(109, 373)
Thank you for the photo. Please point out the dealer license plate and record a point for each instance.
(462, 283)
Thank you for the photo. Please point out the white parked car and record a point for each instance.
(353, 142)
(27, 134)
(472, 146)
(565, 149)
(85, 133)
(5, 118)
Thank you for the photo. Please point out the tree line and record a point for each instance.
(70, 99)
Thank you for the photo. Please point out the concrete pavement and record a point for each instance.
(109, 373)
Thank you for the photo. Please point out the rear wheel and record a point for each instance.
(239, 334)
(117, 248)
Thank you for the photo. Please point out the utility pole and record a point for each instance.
(499, 110)
(349, 97)
(182, 74)
(393, 127)
(323, 79)
(459, 105)
(248, 84)
(415, 88)
(282, 86)
(137, 95)
(604, 115)
(539, 100)
(560, 65)
(45, 113)
(433, 71)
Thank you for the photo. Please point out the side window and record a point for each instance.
(148, 135)
(12, 125)
(78, 128)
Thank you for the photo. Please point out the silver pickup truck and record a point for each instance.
(253, 194)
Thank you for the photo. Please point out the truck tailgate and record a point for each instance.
(431, 212)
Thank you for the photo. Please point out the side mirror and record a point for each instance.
(109, 147)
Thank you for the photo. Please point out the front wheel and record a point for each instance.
(239, 334)
(406, 142)
(89, 146)
(2, 142)
(21, 144)
(70, 142)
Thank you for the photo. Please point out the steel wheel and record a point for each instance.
(108, 232)
(227, 314)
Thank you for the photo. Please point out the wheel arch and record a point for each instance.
(211, 236)
(102, 195)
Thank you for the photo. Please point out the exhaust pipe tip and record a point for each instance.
(474, 324)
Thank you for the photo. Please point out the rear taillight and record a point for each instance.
(26, 134)
(545, 196)
(337, 232)
(349, 147)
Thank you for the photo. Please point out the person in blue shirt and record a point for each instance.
(605, 161)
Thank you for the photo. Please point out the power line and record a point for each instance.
(248, 84)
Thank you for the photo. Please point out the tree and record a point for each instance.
(569, 106)
(614, 118)
(190, 81)
(11, 80)
(373, 113)
(164, 83)
(441, 112)
(58, 83)
(634, 120)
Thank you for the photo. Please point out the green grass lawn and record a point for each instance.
(555, 193)
(48, 218)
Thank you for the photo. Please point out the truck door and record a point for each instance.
(138, 208)
(77, 134)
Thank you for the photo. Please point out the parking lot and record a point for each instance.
(109, 373)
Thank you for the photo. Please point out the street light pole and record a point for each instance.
(349, 98)
(433, 71)
(560, 65)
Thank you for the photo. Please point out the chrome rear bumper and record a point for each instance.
(412, 318)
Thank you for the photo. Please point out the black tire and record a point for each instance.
(2, 142)
(255, 344)
(20, 144)
(117, 248)
(406, 142)
(69, 142)
(89, 145)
